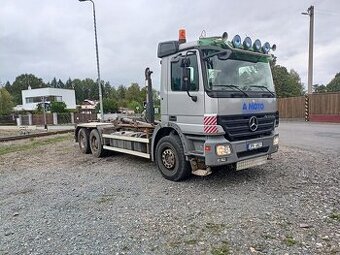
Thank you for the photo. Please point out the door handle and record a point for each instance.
(172, 118)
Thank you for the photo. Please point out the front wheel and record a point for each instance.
(96, 144)
(170, 159)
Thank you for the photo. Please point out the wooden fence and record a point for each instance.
(292, 107)
(321, 107)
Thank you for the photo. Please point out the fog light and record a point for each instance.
(276, 140)
(222, 150)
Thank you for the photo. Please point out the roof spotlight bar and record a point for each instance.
(248, 45)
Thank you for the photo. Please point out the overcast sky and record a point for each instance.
(55, 38)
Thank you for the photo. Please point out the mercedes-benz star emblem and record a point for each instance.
(253, 123)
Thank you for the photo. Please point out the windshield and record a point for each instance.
(254, 75)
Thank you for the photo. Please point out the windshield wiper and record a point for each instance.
(263, 87)
(235, 87)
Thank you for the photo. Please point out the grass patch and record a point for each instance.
(221, 250)
(335, 216)
(290, 241)
(32, 144)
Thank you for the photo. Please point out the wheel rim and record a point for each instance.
(94, 143)
(168, 159)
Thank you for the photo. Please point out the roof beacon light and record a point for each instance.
(247, 43)
(266, 47)
(225, 37)
(274, 47)
(237, 41)
(257, 45)
(182, 35)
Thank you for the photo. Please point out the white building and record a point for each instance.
(32, 97)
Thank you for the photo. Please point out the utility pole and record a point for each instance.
(310, 13)
(97, 55)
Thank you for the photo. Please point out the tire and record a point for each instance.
(170, 159)
(96, 145)
(83, 140)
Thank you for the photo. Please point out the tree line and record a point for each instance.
(287, 84)
(131, 97)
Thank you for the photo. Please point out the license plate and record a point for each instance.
(253, 146)
(248, 163)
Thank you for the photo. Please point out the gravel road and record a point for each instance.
(55, 200)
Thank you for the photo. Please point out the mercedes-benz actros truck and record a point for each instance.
(218, 108)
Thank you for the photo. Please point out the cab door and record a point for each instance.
(183, 109)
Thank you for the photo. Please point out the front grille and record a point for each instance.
(237, 127)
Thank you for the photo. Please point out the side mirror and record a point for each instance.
(186, 74)
(185, 62)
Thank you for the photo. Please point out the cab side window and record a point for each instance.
(176, 75)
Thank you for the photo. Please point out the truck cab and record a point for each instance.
(218, 96)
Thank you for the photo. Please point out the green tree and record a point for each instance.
(109, 106)
(133, 93)
(58, 107)
(108, 90)
(319, 88)
(121, 92)
(54, 83)
(121, 95)
(6, 103)
(22, 82)
(69, 84)
(334, 84)
(287, 84)
(60, 84)
(135, 106)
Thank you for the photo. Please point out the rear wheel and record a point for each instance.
(83, 140)
(170, 159)
(96, 144)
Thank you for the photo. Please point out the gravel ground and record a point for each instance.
(55, 200)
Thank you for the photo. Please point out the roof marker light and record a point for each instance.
(237, 41)
(257, 45)
(266, 47)
(247, 43)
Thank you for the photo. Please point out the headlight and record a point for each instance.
(222, 150)
(276, 140)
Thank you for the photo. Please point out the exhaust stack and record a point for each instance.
(150, 114)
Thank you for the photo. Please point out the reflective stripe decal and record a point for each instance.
(210, 124)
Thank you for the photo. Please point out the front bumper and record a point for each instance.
(239, 150)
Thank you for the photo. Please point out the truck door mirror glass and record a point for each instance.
(187, 81)
(185, 62)
(186, 77)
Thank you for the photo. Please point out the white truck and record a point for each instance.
(218, 108)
